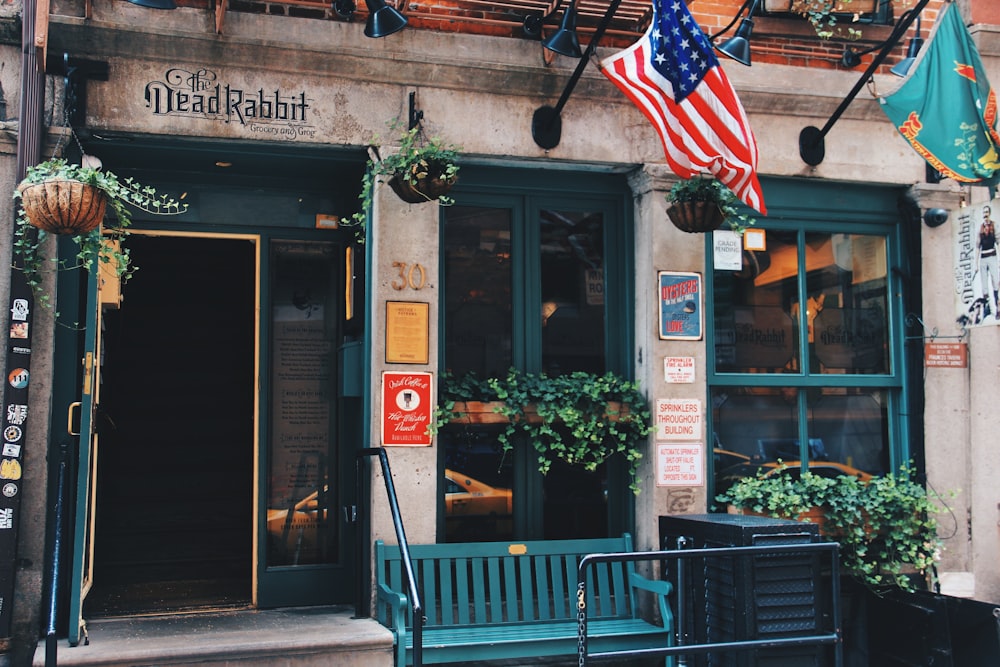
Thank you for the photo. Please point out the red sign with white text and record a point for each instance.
(407, 408)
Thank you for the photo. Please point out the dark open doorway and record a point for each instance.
(174, 520)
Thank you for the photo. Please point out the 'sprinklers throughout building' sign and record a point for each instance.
(199, 94)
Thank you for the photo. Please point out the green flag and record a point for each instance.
(946, 108)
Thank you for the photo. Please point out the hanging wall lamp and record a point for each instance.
(737, 47)
(565, 41)
(902, 68)
(383, 19)
(812, 140)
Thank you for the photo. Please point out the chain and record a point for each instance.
(581, 616)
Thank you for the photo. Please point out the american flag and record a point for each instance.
(674, 78)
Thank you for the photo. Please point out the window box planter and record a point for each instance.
(579, 418)
(492, 412)
(805, 6)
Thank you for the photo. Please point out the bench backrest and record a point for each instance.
(510, 582)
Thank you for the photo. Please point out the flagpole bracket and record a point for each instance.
(812, 145)
(546, 127)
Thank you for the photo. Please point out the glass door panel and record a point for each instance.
(302, 528)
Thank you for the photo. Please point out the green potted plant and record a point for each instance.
(702, 204)
(579, 418)
(420, 170)
(56, 197)
(885, 525)
(823, 14)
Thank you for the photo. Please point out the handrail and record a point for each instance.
(54, 567)
(404, 551)
(820, 638)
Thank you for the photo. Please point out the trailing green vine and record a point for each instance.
(886, 525)
(582, 418)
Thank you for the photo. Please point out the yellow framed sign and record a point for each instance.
(407, 332)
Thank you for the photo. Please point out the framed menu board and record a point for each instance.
(407, 332)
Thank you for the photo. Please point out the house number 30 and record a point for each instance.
(413, 276)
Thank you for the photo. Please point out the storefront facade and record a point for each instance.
(245, 364)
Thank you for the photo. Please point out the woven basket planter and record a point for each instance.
(696, 216)
(63, 206)
(427, 188)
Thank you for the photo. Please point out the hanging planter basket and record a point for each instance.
(63, 206)
(696, 216)
(425, 187)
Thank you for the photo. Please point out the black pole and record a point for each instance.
(546, 124)
(812, 148)
(54, 565)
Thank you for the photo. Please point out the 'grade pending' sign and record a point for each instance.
(678, 419)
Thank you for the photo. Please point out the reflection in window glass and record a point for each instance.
(758, 316)
(813, 307)
(477, 300)
(572, 292)
(300, 528)
(563, 311)
(477, 485)
(755, 330)
(756, 429)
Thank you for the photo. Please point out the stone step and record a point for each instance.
(299, 637)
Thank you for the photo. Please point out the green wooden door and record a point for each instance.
(82, 566)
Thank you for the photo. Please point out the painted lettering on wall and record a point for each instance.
(199, 94)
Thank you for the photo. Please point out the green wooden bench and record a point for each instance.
(500, 600)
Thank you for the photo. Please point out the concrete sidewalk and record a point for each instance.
(295, 637)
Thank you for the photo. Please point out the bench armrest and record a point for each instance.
(395, 603)
(661, 589)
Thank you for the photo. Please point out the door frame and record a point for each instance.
(87, 473)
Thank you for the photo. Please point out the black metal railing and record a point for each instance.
(51, 644)
(820, 637)
(416, 605)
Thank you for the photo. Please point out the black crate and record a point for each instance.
(746, 598)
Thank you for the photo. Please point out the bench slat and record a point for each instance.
(479, 590)
(561, 599)
(540, 571)
(510, 588)
(428, 590)
(462, 587)
(495, 599)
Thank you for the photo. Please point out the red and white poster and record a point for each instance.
(678, 419)
(680, 465)
(407, 408)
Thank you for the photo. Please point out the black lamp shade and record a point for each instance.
(565, 41)
(738, 46)
(155, 4)
(383, 20)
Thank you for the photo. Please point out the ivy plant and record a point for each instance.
(822, 14)
(101, 247)
(706, 188)
(416, 157)
(582, 418)
(886, 525)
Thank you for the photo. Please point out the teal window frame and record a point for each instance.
(525, 193)
(843, 209)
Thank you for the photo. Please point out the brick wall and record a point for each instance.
(792, 40)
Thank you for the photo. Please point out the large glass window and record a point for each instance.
(525, 279)
(803, 366)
